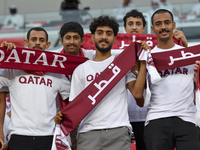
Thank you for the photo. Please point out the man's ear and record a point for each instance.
(115, 39)
(144, 29)
(82, 40)
(125, 29)
(48, 44)
(61, 41)
(92, 37)
(174, 25)
(152, 28)
(26, 42)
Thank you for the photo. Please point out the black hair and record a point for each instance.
(161, 11)
(71, 27)
(104, 21)
(136, 14)
(13, 11)
(69, 5)
(37, 29)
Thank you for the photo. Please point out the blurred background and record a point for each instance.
(18, 16)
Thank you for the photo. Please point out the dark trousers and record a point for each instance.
(138, 129)
(171, 132)
(21, 142)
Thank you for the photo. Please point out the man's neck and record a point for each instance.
(165, 44)
(101, 56)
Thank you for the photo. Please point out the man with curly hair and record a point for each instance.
(107, 125)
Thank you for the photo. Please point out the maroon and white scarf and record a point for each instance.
(39, 61)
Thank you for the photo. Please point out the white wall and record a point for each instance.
(32, 6)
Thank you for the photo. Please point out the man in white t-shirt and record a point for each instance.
(33, 98)
(14, 20)
(134, 22)
(107, 125)
(170, 120)
(71, 37)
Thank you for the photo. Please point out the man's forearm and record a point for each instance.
(140, 84)
(2, 112)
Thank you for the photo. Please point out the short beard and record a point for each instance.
(103, 50)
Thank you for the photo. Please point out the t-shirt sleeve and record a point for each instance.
(77, 85)
(64, 87)
(115, 52)
(130, 77)
(5, 76)
(4, 89)
(90, 54)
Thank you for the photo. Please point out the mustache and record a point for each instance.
(72, 45)
(104, 40)
(134, 31)
(164, 30)
(37, 47)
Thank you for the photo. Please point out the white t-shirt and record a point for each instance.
(33, 103)
(173, 94)
(16, 20)
(136, 113)
(112, 111)
(4, 89)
